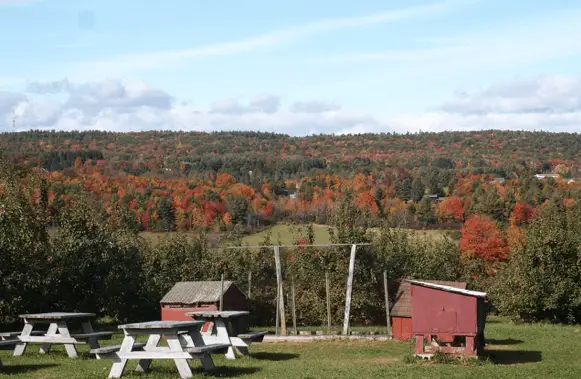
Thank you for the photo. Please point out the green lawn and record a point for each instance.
(514, 351)
(287, 235)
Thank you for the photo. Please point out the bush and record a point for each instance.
(24, 244)
(541, 279)
(97, 268)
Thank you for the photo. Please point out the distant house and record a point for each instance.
(498, 180)
(545, 176)
(293, 195)
(401, 312)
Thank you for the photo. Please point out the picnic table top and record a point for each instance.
(218, 314)
(162, 325)
(57, 316)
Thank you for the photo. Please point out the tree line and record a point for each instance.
(531, 269)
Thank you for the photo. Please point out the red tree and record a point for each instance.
(451, 209)
(522, 214)
(482, 239)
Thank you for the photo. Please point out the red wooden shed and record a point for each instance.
(401, 312)
(447, 319)
(200, 296)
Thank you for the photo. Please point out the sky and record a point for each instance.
(299, 68)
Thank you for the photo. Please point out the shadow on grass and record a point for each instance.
(21, 369)
(231, 372)
(508, 341)
(273, 356)
(513, 357)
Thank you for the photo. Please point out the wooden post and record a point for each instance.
(328, 291)
(249, 285)
(294, 306)
(222, 292)
(276, 317)
(386, 303)
(280, 291)
(349, 290)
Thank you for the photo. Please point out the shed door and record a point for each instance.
(445, 321)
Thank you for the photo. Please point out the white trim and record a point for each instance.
(447, 288)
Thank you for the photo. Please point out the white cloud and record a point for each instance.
(145, 61)
(547, 94)
(550, 103)
(130, 106)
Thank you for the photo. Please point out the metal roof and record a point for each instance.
(402, 306)
(447, 288)
(195, 292)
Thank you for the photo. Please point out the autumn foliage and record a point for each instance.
(482, 239)
(450, 210)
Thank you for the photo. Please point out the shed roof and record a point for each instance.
(196, 292)
(402, 306)
(447, 288)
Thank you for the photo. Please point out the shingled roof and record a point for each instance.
(195, 292)
(402, 306)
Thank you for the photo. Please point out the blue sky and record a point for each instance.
(294, 67)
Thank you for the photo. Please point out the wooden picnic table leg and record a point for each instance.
(52, 331)
(64, 332)
(196, 339)
(26, 331)
(182, 364)
(152, 342)
(223, 337)
(119, 363)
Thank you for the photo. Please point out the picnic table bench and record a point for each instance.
(58, 332)
(184, 340)
(7, 343)
(221, 334)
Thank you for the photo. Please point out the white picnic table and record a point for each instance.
(58, 332)
(184, 340)
(221, 334)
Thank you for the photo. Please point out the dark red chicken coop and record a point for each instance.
(447, 319)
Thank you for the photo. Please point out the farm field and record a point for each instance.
(288, 234)
(514, 351)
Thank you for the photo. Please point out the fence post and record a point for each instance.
(276, 317)
(249, 284)
(280, 291)
(222, 292)
(388, 318)
(349, 290)
(294, 306)
(328, 291)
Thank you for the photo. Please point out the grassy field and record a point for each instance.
(514, 351)
(287, 235)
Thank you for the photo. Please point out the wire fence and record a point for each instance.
(318, 285)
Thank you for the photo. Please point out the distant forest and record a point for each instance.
(162, 180)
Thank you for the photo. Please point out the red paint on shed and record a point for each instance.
(401, 328)
(448, 319)
(401, 312)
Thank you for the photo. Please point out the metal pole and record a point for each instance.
(328, 290)
(349, 290)
(222, 292)
(388, 318)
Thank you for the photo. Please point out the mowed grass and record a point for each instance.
(287, 235)
(514, 351)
